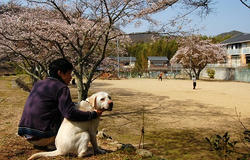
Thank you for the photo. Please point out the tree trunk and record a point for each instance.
(34, 78)
(86, 90)
(80, 88)
(189, 72)
(81, 91)
(198, 74)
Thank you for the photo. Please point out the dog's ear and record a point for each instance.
(92, 101)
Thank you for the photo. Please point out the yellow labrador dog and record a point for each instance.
(73, 137)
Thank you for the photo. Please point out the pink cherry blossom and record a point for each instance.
(194, 54)
(84, 31)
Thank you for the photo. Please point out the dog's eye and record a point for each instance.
(102, 99)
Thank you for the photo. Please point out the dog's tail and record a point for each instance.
(45, 154)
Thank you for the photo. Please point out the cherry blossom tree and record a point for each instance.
(83, 31)
(34, 37)
(194, 54)
(15, 48)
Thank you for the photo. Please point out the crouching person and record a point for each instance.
(48, 103)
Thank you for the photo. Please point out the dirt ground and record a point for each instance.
(174, 104)
(176, 117)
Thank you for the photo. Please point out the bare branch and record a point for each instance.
(244, 2)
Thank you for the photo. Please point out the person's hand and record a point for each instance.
(99, 112)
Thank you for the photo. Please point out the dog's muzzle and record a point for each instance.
(110, 106)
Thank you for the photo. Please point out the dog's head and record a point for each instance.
(101, 101)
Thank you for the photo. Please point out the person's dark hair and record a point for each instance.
(59, 64)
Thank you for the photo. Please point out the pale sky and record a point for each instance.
(228, 15)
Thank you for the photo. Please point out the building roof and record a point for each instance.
(157, 58)
(125, 59)
(143, 37)
(245, 37)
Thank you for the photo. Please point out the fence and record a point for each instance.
(221, 73)
(225, 73)
(242, 74)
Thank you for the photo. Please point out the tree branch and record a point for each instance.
(248, 6)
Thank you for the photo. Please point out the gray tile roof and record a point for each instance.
(125, 59)
(157, 58)
(143, 37)
(245, 37)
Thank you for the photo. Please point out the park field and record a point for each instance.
(207, 106)
(176, 118)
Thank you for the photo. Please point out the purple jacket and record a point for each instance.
(48, 103)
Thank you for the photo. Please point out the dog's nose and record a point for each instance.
(110, 106)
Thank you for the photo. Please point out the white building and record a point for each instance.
(238, 50)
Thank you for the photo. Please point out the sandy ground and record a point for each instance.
(174, 104)
(181, 116)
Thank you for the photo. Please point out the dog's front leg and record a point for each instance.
(93, 141)
(83, 144)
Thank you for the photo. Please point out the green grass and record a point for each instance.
(179, 144)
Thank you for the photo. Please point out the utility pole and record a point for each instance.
(118, 58)
(130, 65)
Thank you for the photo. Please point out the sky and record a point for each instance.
(228, 15)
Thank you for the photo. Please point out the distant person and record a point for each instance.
(160, 76)
(139, 75)
(48, 103)
(194, 81)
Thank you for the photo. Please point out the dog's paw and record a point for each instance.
(99, 151)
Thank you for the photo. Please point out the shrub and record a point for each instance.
(211, 73)
(222, 144)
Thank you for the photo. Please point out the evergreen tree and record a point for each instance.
(141, 51)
